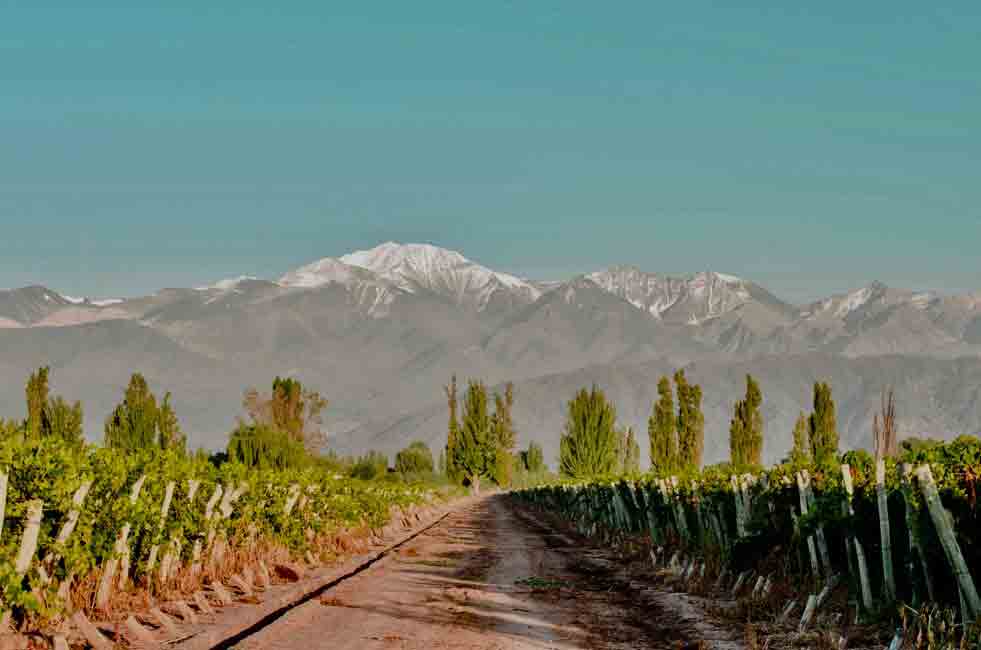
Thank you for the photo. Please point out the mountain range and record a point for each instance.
(380, 331)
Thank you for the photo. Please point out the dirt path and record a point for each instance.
(487, 577)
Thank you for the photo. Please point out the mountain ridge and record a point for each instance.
(382, 332)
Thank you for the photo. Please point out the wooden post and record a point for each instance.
(815, 567)
(28, 544)
(889, 578)
(808, 613)
(914, 538)
(949, 541)
(164, 509)
(738, 501)
(822, 543)
(863, 567)
(3, 499)
(119, 551)
(294, 495)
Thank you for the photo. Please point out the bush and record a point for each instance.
(415, 461)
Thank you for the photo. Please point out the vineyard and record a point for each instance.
(91, 530)
(899, 537)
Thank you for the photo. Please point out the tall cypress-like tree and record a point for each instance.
(801, 451)
(589, 445)
(823, 429)
(453, 432)
(661, 431)
(133, 424)
(171, 436)
(534, 458)
(629, 452)
(139, 422)
(51, 417)
(746, 427)
(691, 423)
(37, 402)
(475, 451)
(505, 435)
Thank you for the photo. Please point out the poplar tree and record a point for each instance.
(629, 452)
(37, 401)
(589, 445)
(746, 428)
(691, 423)
(139, 422)
(504, 435)
(534, 458)
(801, 451)
(661, 431)
(453, 432)
(171, 436)
(474, 454)
(133, 424)
(823, 426)
(48, 416)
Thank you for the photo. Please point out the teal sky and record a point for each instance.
(811, 150)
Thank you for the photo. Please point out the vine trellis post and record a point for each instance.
(945, 530)
(863, 567)
(917, 555)
(3, 499)
(882, 499)
(815, 567)
(120, 553)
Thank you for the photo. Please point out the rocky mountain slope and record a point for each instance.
(380, 331)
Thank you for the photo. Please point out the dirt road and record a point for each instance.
(490, 577)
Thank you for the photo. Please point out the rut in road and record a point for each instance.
(488, 576)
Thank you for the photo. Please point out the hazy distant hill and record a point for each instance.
(380, 331)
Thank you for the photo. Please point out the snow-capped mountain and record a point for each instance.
(415, 267)
(694, 299)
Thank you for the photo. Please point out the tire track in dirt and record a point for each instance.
(489, 576)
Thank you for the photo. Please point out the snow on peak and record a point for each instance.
(228, 284)
(702, 295)
(729, 279)
(107, 302)
(853, 301)
(318, 274)
(411, 266)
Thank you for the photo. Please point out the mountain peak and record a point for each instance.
(390, 256)
(424, 266)
(321, 273)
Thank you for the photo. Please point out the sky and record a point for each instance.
(811, 150)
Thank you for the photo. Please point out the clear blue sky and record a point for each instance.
(808, 149)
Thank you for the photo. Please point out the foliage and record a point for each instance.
(475, 451)
(48, 417)
(746, 428)
(504, 435)
(415, 461)
(823, 426)
(453, 431)
(628, 453)
(661, 431)
(290, 409)
(264, 447)
(589, 445)
(697, 513)
(533, 458)
(139, 423)
(47, 469)
(371, 466)
(690, 424)
(801, 451)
